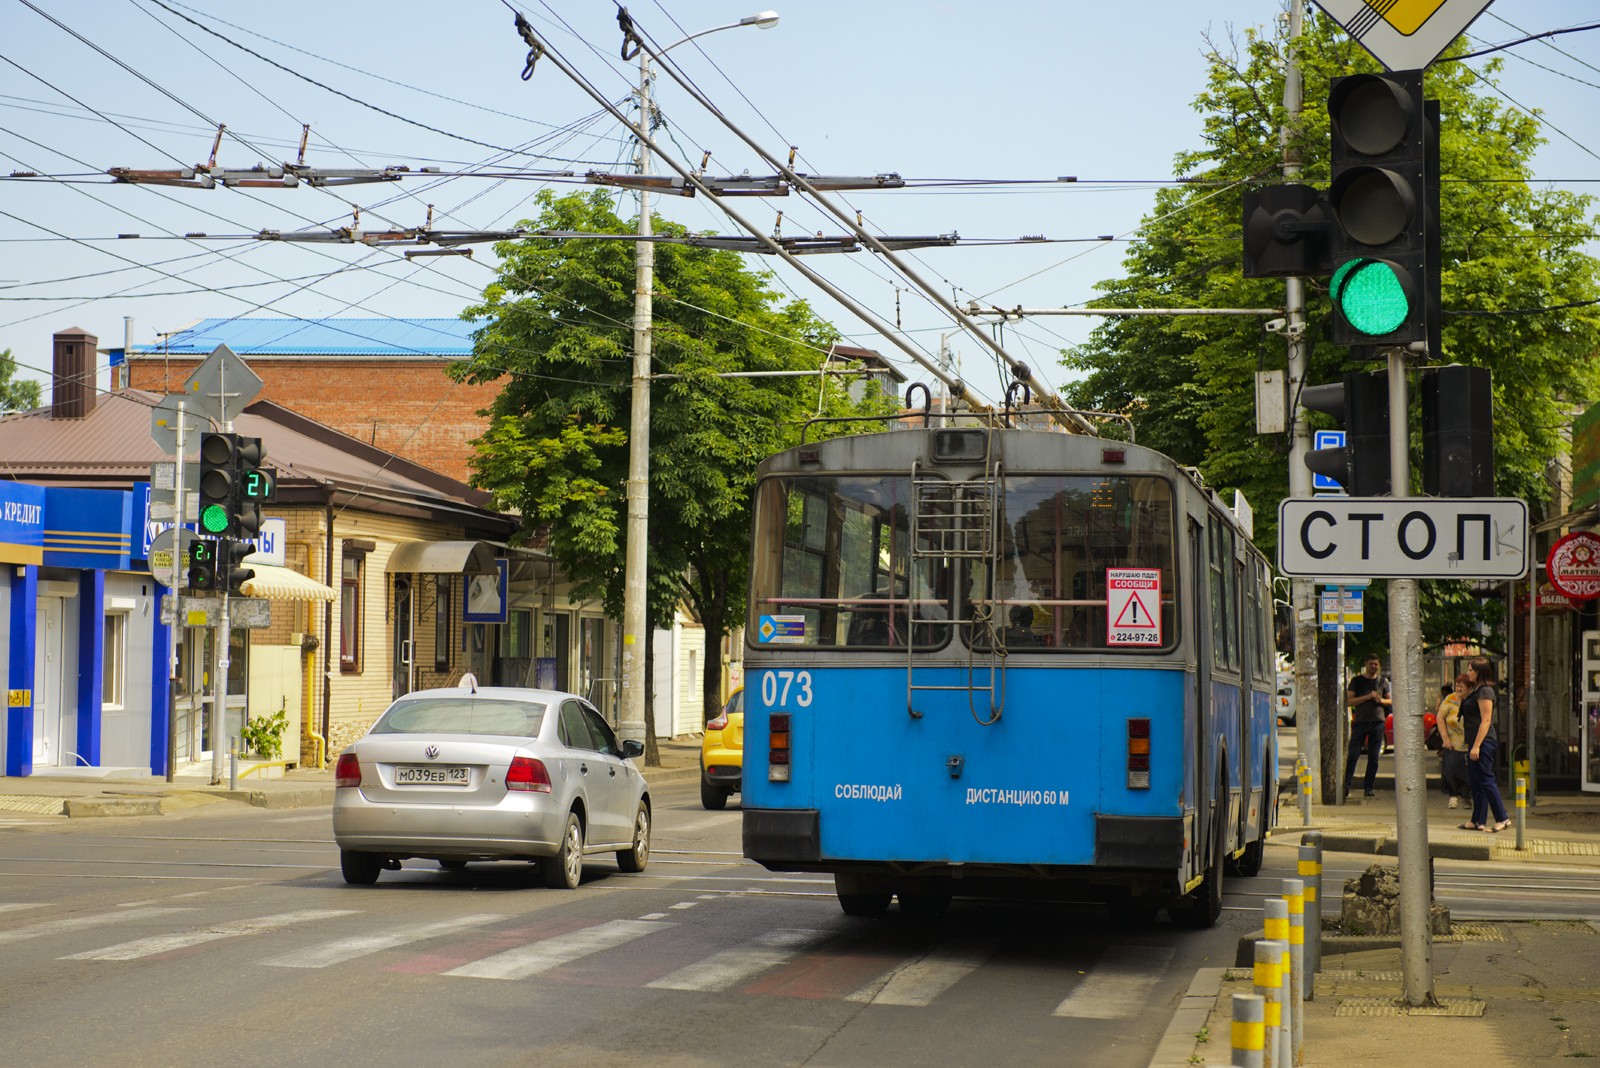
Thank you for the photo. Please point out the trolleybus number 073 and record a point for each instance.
(777, 686)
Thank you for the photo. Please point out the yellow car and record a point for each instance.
(722, 753)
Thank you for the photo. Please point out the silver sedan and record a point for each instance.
(490, 773)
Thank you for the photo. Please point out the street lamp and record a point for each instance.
(635, 605)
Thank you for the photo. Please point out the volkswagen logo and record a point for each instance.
(432, 752)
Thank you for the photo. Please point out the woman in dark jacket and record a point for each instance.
(1477, 717)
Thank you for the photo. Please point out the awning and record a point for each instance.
(442, 558)
(281, 584)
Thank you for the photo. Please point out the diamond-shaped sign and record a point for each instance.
(1404, 34)
(222, 385)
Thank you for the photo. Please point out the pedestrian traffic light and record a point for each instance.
(218, 479)
(252, 486)
(1380, 199)
(202, 565)
(1361, 403)
(1457, 432)
(1286, 232)
(233, 554)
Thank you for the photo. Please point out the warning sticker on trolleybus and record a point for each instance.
(1133, 606)
(782, 630)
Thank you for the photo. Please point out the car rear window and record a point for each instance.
(462, 715)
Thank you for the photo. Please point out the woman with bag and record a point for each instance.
(1477, 721)
(1453, 743)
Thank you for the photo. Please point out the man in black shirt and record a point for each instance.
(1369, 701)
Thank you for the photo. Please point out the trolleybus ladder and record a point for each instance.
(954, 523)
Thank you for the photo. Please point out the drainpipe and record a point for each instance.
(327, 623)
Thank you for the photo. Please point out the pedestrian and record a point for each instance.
(1452, 743)
(1477, 722)
(1369, 699)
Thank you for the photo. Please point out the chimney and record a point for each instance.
(74, 388)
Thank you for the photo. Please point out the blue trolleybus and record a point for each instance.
(1014, 663)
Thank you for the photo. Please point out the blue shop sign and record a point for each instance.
(88, 529)
(21, 523)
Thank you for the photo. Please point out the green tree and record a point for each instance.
(558, 333)
(16, 394)
(1513, 269)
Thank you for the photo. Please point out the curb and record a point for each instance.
(1193, 1016)
(1245, 955)
(1383, 845)
(112, 806)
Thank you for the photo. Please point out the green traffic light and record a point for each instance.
(214, 518)
(1370, 296)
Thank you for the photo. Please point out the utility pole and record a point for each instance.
(1302, 595)
(636, 593)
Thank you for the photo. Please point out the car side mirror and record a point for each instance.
(632, 748)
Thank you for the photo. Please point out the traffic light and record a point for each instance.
(1361, 403)
(218, 478)
(1457, 432)
(1286, 232)
(203, 565)
(252, 486)
(233, 554)
(1381, 200)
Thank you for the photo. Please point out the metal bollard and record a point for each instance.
(1248, 1013)
(1302, 774)
(1294, 894)
(1275, 921)
(1310, 871)
(1269, 984)
(1522, 812)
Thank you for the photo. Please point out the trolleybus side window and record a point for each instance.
(1224, 597)
(1059, 536)
(832, 565)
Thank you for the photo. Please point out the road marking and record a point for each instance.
(720, 971)
(654, 916)
(341, 950)
(550, 953)
(918, 982)
(685, 905)
(702, 824)
(17, 906)
(1119, 985)
(147, 947)
(75, 923)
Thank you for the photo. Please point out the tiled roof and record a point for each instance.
(320, 337)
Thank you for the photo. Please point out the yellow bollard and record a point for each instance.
(1294, 897)
(1522, 812)
(1269, 984)
(1309, 869)
(1248, 1036)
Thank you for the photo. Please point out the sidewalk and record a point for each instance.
(1510, 992)
(93, 792)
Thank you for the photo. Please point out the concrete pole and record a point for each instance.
(635, 607)
(1302, 592)
(1410, 775)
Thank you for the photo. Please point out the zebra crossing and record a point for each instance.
(871, 968)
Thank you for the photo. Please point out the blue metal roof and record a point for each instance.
(321, 337)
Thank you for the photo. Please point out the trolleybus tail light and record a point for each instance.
(778, 747)
(348, 771)
(1138, 754)
(528, 773)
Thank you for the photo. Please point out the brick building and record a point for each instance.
(381, 381)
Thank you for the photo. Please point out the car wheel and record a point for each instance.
(453, 865)
(359, 869)
(634, 860)
(564, 870)
(712, 796)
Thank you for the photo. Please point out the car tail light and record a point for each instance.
(1138, 754)
(528, 773)
(348, 771)
(720, 723)
(778, 747)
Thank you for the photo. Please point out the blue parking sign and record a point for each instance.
(1326, 439)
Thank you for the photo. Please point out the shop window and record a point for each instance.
(516, 635)
(352, 583)
(442, 632)
(113, 663)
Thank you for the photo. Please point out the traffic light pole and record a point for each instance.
(1410, 778)
(175, 632)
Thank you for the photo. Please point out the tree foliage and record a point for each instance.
(1514, 279)
(16, 394)
(557, 333)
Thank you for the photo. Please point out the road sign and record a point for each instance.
(1326, 439)
(222, 385)
(1403, 537)
(1404, 34)
(169, 555)
(1133, 606)
(1352, 609)
(164, 424)
(163, 478)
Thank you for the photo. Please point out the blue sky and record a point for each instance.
(953, 89)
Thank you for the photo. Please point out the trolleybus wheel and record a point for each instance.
(858, 900)
(925, 904)
(1200, 909)
(1248, 863)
